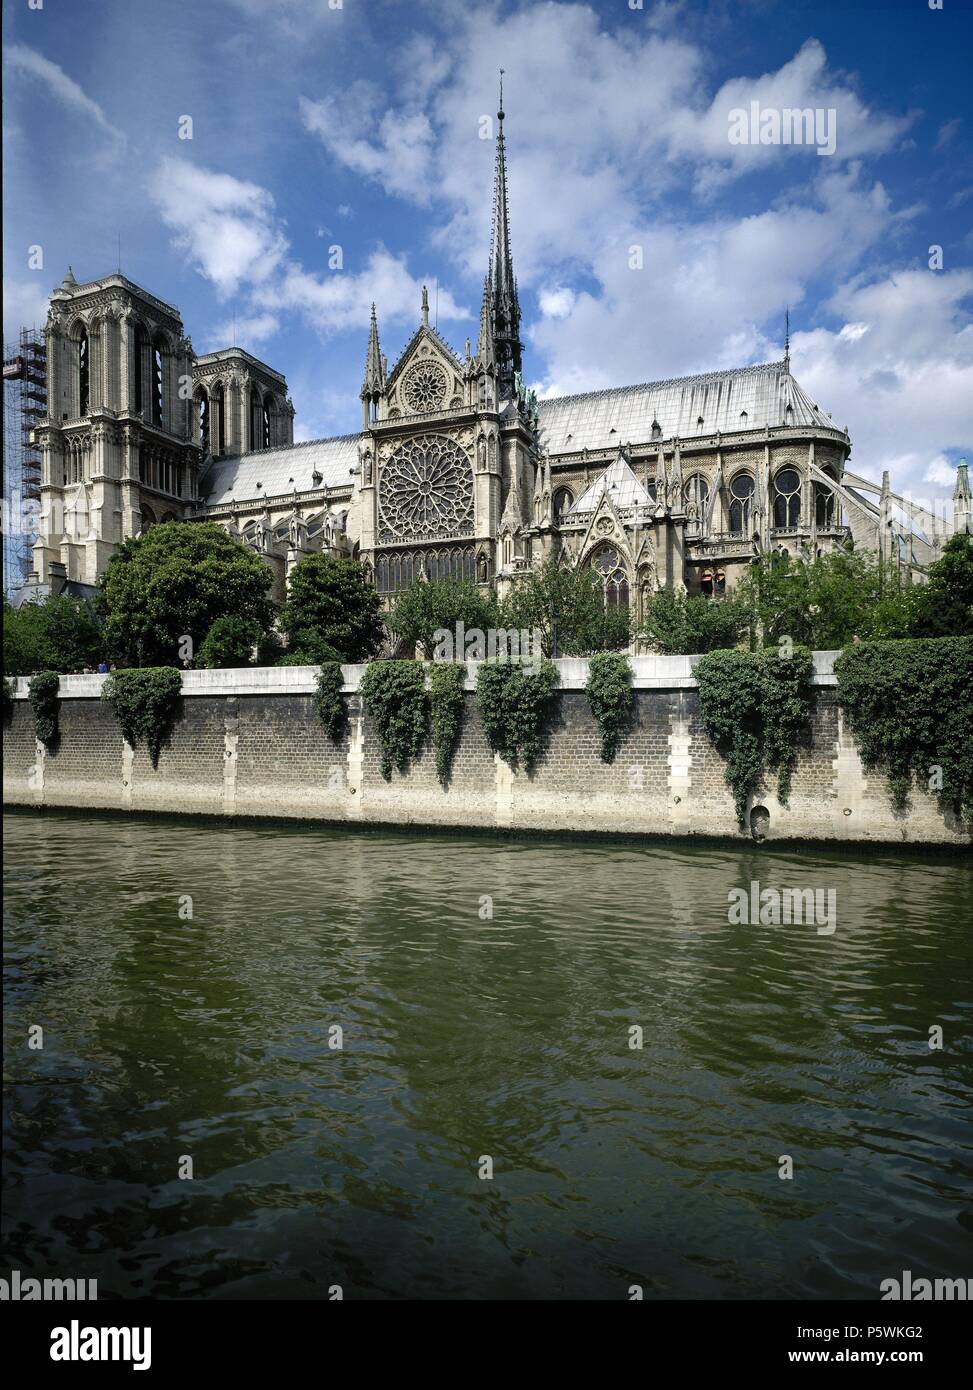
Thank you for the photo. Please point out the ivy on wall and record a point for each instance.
(394, 693)
(42, 691)
(145, 702)
(755, 706)
(515, 702)
(8, 701)
(446, 705)
(611, 698)
(330, 706)
(908, 704)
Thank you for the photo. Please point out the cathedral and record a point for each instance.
(458, 470)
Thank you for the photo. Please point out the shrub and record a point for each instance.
(676, 624)
(42, 691)
(611, 698)
(145, 703)
(446, 706)
(60, 634)
(330, 706)
(515, 702)
(394, 693)
(229, 643)
(908, 705)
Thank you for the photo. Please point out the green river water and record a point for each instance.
(466, 1037)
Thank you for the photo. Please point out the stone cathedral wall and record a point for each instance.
(249, 744)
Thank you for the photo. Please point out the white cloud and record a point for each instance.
(556, 303)
(33, 64)
(338, 300)
(243, 332)
(24, 304)
(226, 225)
(229, 230)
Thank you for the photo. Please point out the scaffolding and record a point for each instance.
(24, 407)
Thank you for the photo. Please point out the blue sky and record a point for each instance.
(360, 126)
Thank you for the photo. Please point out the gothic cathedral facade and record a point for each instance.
(458, 470)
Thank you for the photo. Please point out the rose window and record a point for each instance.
(425, 387)
(426, 490)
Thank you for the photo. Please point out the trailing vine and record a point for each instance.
(42, 691)
(145, 702)
(446, 705)
(330, 706)
(394, 693)
(515, 702)
(730, 694)
(787, 708)
(908, 706)
(611, 698)
(8, 701)
(755, 706)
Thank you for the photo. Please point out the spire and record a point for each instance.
(787, 339)
(374, 373)
(484, 343)
(504, 305)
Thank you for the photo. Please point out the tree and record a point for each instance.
(229, 643)
(59, 634)
(330, 603)
(677, 624)
(174, 582)
(567, 605)
(827, 602)
(438, 605)
(944, 606)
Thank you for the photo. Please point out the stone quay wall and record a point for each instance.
(249, 743)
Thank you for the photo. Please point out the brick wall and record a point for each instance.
(251, 744)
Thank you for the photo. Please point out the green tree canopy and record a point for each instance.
(59, 634)
(174, 582)
(944, 606)
(828, 602)
(677, 624)
(331, 605)
(229, 642)
(435, 605)
(566, 605)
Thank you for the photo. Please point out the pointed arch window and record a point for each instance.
(256, 423)
(265, 422)
(84, 372)
(609, 566)
(824, 506)
(741, 501)
(202, 421)
(219, 402)
(158, 382)
(696, 493)
(563, 502)
(787, 498)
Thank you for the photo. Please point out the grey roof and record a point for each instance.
(622, 487)
(279, 471)
(626, 414)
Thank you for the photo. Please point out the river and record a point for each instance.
(347, 1032)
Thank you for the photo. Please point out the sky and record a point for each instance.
(367, 126)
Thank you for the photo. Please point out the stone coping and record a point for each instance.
(649, 673)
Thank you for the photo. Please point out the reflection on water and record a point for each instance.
(465, 1036)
